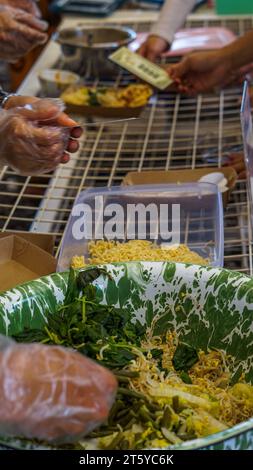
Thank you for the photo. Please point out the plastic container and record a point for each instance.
(188, 40)
(247, 134)
(231, 7)
(54, 81)
(110, 213)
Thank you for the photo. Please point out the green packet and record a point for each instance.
(142, 68)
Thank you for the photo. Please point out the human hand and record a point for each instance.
(200, 72)
(236, 160)
(19, 33)
(35, 135)
(51, 393)
(27, 5)
(153, 47)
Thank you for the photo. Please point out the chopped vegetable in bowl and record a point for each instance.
(169, 392)
(178, 338)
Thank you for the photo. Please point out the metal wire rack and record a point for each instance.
(173, 132)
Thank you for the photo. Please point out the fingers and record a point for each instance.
(72, 146)
(26, 38)
(65, 121)
(52, 141)
(45, 146)
(177, 71)
(20, 32)
(39, 110)
(30, 20)
(142, 50)
(31, 7)
(33, 135)
(19, 101)
(76, 132)
(236, 160)
(65, 158)
(152, 55)
(147, 52)
(242, 175)
(54, 128)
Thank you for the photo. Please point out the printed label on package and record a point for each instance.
(141, 67)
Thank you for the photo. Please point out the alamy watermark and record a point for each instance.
(129, 221)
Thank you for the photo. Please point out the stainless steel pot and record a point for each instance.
(86, 48)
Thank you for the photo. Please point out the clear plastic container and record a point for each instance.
(188, 40)
(247, 134)
(170, 214)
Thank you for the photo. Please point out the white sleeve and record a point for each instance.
(172, 17)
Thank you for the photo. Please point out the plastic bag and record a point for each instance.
(27, 5)
(20, 32)
(51, 393)
(31, 142)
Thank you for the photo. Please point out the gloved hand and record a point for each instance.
(35, 135)
(27, 5)
(51, 393)
(19, 33)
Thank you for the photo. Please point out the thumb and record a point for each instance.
(41, 110)
(142, 50)
(151, 55)
(180, 69)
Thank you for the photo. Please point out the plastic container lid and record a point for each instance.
(187, 40)
(170, 214)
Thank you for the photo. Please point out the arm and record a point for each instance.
(240, 52)
(171, 18)
(202, 71)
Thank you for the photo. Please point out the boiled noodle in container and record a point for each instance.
(198, 223)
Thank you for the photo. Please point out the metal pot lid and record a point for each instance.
(91, 37)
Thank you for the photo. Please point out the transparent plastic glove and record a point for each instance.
(19, 33)
(27, 5)
(51, 393)
(32, 137)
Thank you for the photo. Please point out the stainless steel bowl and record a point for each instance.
(86, 48)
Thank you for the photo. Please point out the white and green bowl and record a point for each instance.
(208, 307)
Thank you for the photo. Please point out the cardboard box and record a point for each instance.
(22, 261)
(45, 241)
(181, 176)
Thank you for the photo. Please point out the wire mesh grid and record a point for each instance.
(173, 132)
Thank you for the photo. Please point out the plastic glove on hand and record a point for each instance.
(35, 135)
(51, 393)
(27, 5)
(19, 33)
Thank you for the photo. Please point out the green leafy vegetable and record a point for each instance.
(93, 98)
(184, 357)
(185, 377)
(104, 333)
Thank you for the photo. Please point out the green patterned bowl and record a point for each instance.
(210, 307)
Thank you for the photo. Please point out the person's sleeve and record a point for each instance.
(172, 17)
